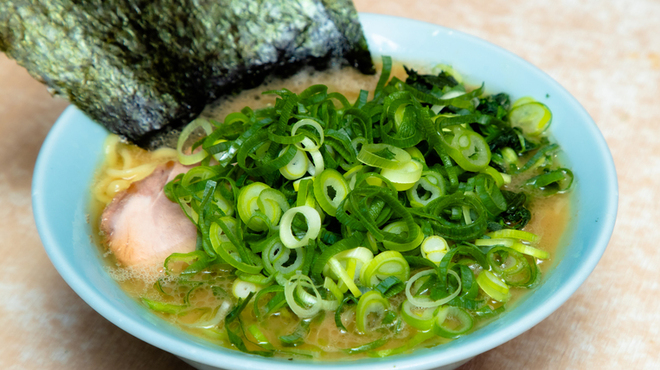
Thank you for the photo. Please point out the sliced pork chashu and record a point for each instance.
(142, 227)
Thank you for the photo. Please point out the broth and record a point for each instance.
(325, 340)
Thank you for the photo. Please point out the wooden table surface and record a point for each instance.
(605, 52)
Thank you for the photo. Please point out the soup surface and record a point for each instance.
(207, 301)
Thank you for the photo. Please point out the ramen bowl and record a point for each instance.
(73, 151)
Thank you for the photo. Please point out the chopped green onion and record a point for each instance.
(185, 158)
(297, 166)
(330, 189)
(493, 286)
(318, 191)
(319, 129)
(426, 301)
(294, 287)
(401, 228)
(371, 302)
(557, 181)
(383, 156)
(241, 289)
(248, 204)
(421, 318)
(430, 186)
(405, 176)
(313, 226)
(434, 248)
(532, 118)
(383, 265)
(452, 322)
(535, 252)
(515, 234)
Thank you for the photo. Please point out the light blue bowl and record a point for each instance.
(72, 152)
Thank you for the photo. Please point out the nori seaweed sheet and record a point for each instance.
(143, 67)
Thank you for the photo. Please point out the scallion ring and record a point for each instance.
(330, 189)
(313, 226)
(452, 322)
(297, 167)
(188, 159)
(401, 228)
(291, 289)
(384, 264)
(418, 317)
(405, 176)
(426, 301)
(434, 248)
(383, 156)
(493, 286)
(371, 302)
(310, 146)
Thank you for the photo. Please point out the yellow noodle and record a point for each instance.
(127, 157)
(163, 153)
(116, 186)
(125, 164)
(110, 150)
(131, 173)
(100, 193)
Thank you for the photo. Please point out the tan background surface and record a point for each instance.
(605, 52)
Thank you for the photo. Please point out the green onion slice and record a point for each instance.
(241, 289)
(515, 234)
(532, 118)
(371, 302)
(513, 267)
(383, 265)
(228, 250)
(219, 314)
(309, 146)
(164, 307)
(523, 100)
(529, 250)
(317, 165)
(352, 259)
(462, 228)
(383, 156)
(434, 248)
(390, 286)
(405, 176)
(330, 189)
(189, 159)
(418, 317)
(247, 205)
(469, 149)
(452, 322)
(297, 166)
(549, 183)
(293, 288)
(330, 285)
(313, 226)
(401, 228)
(430, 186)
(278, 260)
(426, 301)
(489, 193)
(493, 286)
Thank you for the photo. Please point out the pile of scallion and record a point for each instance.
(321, 204)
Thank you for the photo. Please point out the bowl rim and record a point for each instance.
(187, 350)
